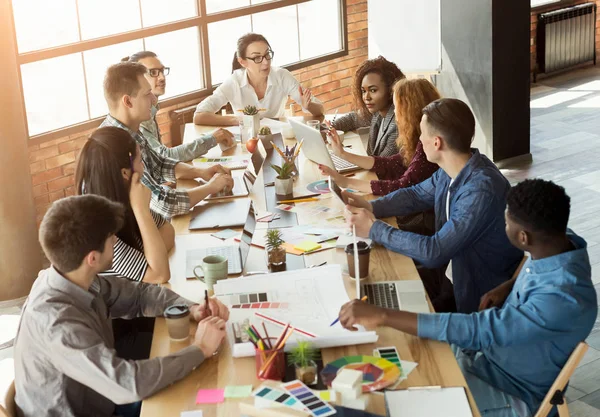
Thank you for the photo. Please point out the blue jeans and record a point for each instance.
(128, 410)
(491, 401)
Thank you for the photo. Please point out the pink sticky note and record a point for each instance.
(210, 396)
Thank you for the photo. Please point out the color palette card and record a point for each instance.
(316, 406)
(389, 353)
(278, 396)
(210, 396)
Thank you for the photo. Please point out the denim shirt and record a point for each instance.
(525, 344)
(474, 236)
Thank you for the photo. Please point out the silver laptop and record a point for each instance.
(236, 254)
(397, 295)
(314, 148)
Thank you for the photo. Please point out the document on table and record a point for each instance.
(428, 402)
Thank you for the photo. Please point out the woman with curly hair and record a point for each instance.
(372, 93)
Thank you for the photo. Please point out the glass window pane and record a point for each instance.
(155, 12)
(324, 14)
(223, 38)
(214, 6)
(180, 51)
(44, 24)
(107, 17)
(280, 27)
(96, 63)
(54, 92)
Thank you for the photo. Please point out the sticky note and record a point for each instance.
(307, 246)
(191, 413)
(210, 396)
(225, 234)
(238, 391)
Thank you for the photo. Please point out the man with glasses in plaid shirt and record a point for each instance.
(129, 97)
(157, 77)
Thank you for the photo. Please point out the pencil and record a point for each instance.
(338, 319)
(302, 200)
(268, 339)
(298, 150)
(278, 150)
(302, 197)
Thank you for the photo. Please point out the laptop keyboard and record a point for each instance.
(232, 253)
(382, 294)
(341, 164)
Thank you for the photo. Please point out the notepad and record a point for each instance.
(307, 246)
(197, 413)
(428, 402)
(238, 391)
(210, 396)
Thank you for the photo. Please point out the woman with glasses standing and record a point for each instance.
(254, 82)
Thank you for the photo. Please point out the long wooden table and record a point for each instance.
(437, 364)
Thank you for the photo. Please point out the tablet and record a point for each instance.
(336, 190)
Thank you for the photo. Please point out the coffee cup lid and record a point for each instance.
(362, 247)
(177, 311)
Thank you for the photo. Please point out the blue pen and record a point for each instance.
(338, 319)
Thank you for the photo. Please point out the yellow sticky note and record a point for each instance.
(307, 246)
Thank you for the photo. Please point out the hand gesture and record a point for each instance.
(224, 137)
(220, 182)
(361, 313)
(209, 335)
(219, 169)
(139, 194)
(217, 309)
(336, 176)
(336, 143)
(361, 218)
(305, 96)
(355, 200)
(495, 297)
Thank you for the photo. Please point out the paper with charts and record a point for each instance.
(308, 299)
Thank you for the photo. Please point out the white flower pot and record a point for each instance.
(266, 141)
(284, 187)
(252, 123)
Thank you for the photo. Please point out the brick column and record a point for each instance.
(20, 254)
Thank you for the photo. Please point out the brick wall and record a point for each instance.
(534, 19)
(52, 163)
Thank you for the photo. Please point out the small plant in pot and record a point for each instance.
(265, 135)
(251, 119)
(284, 184)
(275, 252)
(303, 358)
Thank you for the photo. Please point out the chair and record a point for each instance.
(8, 408)
(556, 395)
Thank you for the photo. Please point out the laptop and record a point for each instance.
(236, 254)
(397, 295)
(243, 185)
(211, 215)
(315, 149)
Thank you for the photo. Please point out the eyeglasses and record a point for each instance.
(259, 59)
(155, 72)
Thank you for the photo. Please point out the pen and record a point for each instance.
(206, 305)
(338, 319)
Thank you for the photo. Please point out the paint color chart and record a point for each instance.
(314, 404)
(254, 300)
(278, 396)
(389, 353)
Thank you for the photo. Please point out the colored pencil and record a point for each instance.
(338, 319)
(282, 324)
(268, 339)
(302, 200)
(302, 197)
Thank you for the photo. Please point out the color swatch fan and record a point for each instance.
(378, 373)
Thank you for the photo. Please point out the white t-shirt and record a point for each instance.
(237, 90)
(449, 269)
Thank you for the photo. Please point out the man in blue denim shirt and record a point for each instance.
(516, 347)
(468, 195)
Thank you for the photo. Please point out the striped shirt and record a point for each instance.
(128, 261)
(166, 201)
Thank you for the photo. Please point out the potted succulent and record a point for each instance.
(303, 358)
(251, 119)
(265, 135)
(284, 184)
(275, 252)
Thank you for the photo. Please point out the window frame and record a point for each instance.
(201, 22)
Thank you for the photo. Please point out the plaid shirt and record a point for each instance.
(157, 170)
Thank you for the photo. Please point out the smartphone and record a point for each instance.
(336, 190)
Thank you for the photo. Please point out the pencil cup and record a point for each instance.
(364, 253)
(273, 362)
(178, 322)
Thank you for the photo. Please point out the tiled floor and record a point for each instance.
(565, 144)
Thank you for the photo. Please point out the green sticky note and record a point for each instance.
(238, 391)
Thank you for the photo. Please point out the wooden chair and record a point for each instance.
(556, 395)
(8, 408)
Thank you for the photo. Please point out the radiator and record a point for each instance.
(566, 37)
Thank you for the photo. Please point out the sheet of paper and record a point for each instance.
(345, 240)
(238, 391)
(309, 299)
(225, 234)
(197, 413)
(434, 402)
(210, 396)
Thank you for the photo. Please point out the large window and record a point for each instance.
(65, 47)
